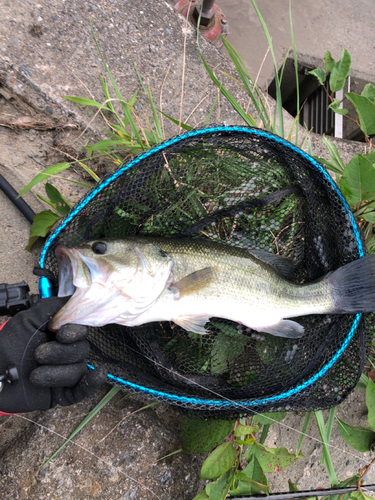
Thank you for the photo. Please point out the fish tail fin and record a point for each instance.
(353, 286)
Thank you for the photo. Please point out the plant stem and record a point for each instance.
(363, 472)
(86, 420)
(279, 106)
(303, 432)
(327, 457)
(331, 417)
(264, 434)
(296, 69)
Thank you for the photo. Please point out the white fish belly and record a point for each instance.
(254, 310)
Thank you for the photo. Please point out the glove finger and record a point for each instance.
(72, 333)
(59, 375)
(89, 384)
(54, 353)
(86, 387)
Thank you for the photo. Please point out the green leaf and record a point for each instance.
(296, 121)
(83, 184)
(86, 102)
(365, 110)
(358, 180)
(61, 204)
(271, 458)
(244, 441)
(220, 461)
(334, 155)
(330, 420)
(368, 216)
(325, 452)
(244, 485)
(370, 403)
(133, 98)
(357, 495)
(328, 164)
(200, 436)
(359, 438)
(207, 120)
(264, 434)
(269, 417)
(292, 487)
(155, 117)
(279, 101)
(121, 132)
(329, 62)
(105, 144)
(226, 349)
(127, 112)
(202, 496)
(176, 122)
(106, 93)
(254, 472)
(319, 73)
(218, 490)
(369, 92)
(46, 201)
(363, 381)
(244, 430)
(370, 156)
(340, 71)
(349, 482)
(303, 432)
(46, 174)
(42, 223)
(241, 69)
(234, 103)
(335, 106)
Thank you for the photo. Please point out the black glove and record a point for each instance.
(51, 367)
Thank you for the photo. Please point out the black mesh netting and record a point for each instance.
(246, 188)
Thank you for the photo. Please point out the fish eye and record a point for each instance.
(99, 248)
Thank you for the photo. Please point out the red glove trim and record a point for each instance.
(1, 412)
(1, 326)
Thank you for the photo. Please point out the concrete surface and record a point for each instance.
(318, 25)
(46, 51)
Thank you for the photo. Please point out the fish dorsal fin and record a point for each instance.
(193, 283)
(284, 265)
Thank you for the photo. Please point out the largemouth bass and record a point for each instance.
(140, 280)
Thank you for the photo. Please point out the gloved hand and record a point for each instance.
(51, 366)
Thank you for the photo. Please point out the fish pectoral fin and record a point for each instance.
(193, 323)
(193, 282)
(284, 328)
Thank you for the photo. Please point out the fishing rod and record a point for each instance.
(15, 297)
(310, 493)
(13, 196)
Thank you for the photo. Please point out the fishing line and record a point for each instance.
(250, 409)
(23, 356)
(90, 452)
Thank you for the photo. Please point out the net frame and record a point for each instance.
(217, 404)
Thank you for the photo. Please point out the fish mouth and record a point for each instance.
(64, 261)
(75, 280)
(73, 271)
